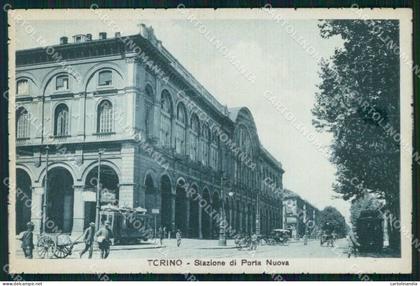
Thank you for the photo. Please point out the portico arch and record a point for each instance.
(109, 186)
(181, 209)
(194, 212)
(23, 199)
(216, 208)
(151, 195)
(205, 217)
(166, 202)
(60, 200)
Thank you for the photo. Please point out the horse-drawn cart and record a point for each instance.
(55, 245)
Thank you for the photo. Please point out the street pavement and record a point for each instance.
(195, 248)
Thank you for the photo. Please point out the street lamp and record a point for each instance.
(44, 205)
(98, 188)
(257, 216)
(222, 232)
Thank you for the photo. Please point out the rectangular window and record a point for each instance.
(62, 83)
(105, 78)
(22, 87)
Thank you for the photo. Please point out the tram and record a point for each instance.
(129, 225)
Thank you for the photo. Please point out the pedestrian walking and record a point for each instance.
(161, 235)
(88, 238)
(178, 238)
(254, 241)
(27, 238)
(103, 237)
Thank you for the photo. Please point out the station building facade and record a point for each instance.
(157, 130)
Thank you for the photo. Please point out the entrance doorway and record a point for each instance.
(109, 190)
(23, 200)
(90, 213)
(60, 198)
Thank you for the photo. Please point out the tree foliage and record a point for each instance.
(358, 102)
(335, 219)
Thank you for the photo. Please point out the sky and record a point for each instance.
(281, 67)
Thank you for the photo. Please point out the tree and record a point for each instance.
(335, 220)
(358, 102)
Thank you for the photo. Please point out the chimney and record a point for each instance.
(88, 37)
(63, 40)
(102, 36)
(143, 31)
(118, 35)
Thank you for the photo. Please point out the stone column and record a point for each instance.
(37, 115)
(36, 208)
(231, 224)
(78, 210)
(127, 181)
(240, 221)
(200, 232)
(141, 197)
(211, 222)
(385, 229)
(187, 219)
(173, 128)
(79, 103)
(173, 206)
(130, 96)
(156, 112)
(283, 210)
(187, 142)
(246, 221)
(235, 221)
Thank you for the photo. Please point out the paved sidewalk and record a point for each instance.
(195, 248)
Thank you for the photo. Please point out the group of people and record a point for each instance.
(245, 240)
(161, 234)
(104, 237)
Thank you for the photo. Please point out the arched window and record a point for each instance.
(22, 123)
(166, 119)
(22, 87)
(181, 117)
(243, 139)
(150, 98)
(214, 150)
(195, 133)
(205, 144)
(104, 121)
(61, 120)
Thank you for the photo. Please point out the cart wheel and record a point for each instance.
(62, 251)
(45, 247)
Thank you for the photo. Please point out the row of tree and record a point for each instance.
(358, 103)
(332, 217)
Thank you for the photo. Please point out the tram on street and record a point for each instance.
(129, 225)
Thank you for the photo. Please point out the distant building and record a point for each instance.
(160, 131)
(299, 215)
